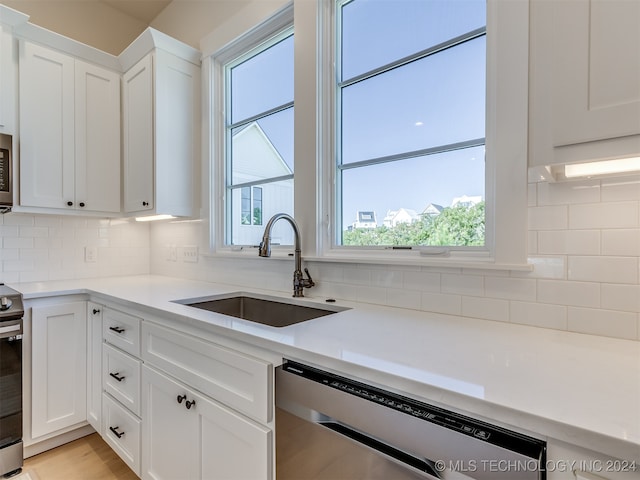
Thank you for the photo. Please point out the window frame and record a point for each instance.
(314, 202)
(269, 31)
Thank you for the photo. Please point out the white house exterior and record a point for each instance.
(256, 159)
(403, 215)
(365, 220)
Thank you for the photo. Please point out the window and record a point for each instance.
(251, 206)
(421, 112)
(258, 86)
(410, 122)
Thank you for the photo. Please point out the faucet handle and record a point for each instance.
(309, 281)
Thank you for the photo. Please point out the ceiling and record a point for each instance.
(143, 10)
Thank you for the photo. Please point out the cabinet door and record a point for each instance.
(97, 133)
(138, 137)
(59, 367)
(94, 365)
(46, 127)
(584, 80)
(7, 84)
(205, 441)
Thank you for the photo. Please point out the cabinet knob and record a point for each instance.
(116, 432)
(190, 404)
(96, 311)
(181, 398)
(145, 204)
(70, 204)
(81, 204)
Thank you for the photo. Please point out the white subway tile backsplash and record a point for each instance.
(463, 284)
(425, 281)
(441, 303)
(548, 218)
(620, 297)
(559, 292)
(606, 323)
(603, 215)
(621, 242)
(564, 193)
(539, 315)
(510, 288)
(575, 242)
(620, 189)
(604, 269)
(487, 308)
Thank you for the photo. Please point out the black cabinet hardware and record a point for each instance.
(117, 329)
(116, 432)
(116, 376)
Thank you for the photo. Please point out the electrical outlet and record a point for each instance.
(172, 253)
(90, 254)
(190, 253)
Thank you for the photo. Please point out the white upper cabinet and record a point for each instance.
(8, 68)
(69, 132)
(585, 80)
(161, 115)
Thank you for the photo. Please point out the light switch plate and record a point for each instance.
(90, 254)
(190, 253)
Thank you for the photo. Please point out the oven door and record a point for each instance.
(10, 382)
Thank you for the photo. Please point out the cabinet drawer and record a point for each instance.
(121, 377)
(121, 430)
(241, 382)
(122, 330)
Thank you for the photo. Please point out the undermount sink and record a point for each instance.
(264, 309)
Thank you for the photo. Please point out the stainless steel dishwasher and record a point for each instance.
(334, 428)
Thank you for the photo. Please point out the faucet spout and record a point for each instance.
(299, 282)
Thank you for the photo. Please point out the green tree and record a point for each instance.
(455, 226)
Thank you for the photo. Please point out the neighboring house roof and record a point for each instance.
(403, 215)
(255, 157)
(467, 201)
(433, 209)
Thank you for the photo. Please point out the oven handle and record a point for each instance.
(11, 329)
(422, 466)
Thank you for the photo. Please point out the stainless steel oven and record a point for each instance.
(11, 312)
(335, 428)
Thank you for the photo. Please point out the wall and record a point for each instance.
(584, 245)
(51, 247)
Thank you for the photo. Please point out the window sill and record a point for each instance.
(397, 258)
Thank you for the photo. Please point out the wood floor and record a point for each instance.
(88, 458)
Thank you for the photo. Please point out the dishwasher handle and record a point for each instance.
(424, 467)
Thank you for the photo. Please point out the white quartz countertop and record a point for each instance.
(581, 389)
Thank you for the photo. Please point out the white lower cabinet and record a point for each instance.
(58, 367)
(121, 430)
(189, 436)
(570, 462)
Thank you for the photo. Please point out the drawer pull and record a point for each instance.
(190, 404)
(116, 432)
(181, 398)
(117, 329)
(115, 375)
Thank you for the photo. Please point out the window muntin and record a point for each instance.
(397, 122)
(258, 139)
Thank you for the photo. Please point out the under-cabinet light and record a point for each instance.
(605, 167)
(152, 218)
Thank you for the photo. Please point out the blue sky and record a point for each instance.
(441, 101)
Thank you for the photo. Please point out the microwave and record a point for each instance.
(6, 172)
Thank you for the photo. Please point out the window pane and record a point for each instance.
(414, 25)
(245, 206)
(257, 206)
(276, 197)
(263, 149)
(401, 194)
(263, 82)
(435, 101)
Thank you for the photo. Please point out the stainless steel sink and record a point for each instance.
(263, 309)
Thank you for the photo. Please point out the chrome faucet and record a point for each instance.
(299, 282)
